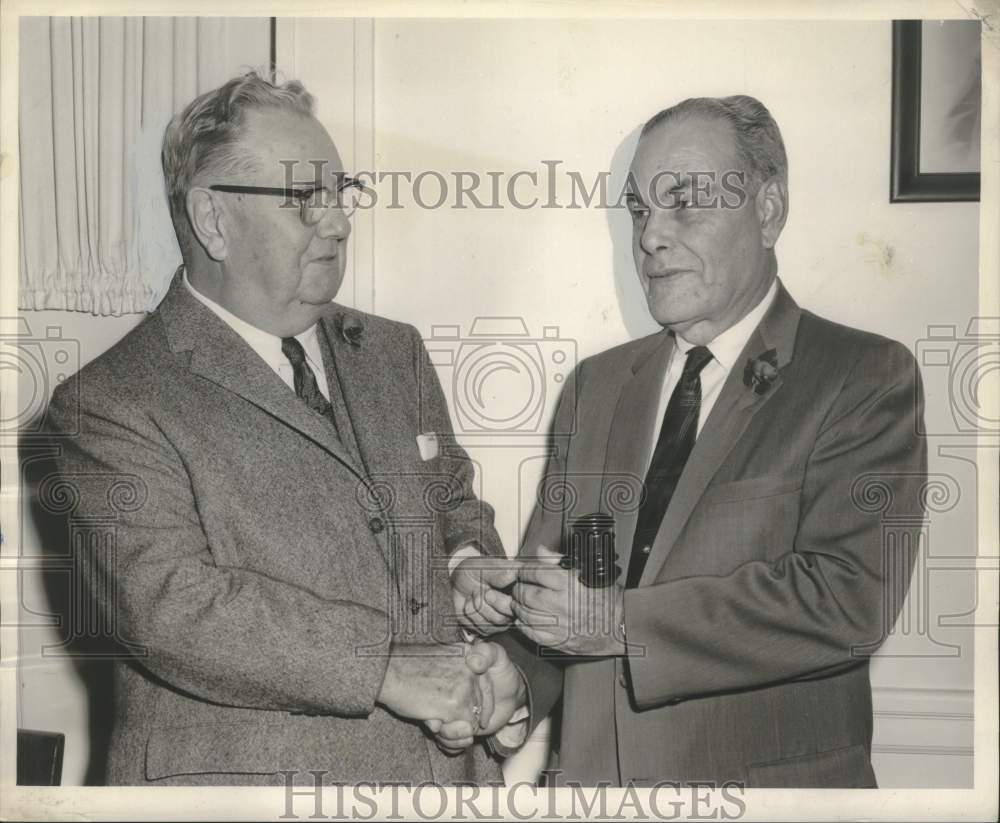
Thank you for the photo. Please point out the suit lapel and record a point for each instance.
(736, 407)
(631, 434)
(379, 417)
(220, 355)
(345, 426)
(372, 407)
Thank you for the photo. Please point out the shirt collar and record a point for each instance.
(267, 345)
(726, 347)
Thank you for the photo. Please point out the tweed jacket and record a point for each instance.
(262, 563)
(771, 580)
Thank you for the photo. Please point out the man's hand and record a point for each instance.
(553, 608)
(480, 604)
(491, 663)
(432, 681)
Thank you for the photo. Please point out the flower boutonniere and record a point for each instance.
(351, 330)
(761, 371)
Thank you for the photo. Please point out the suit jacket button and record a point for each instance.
(376, 525)
(622, 680)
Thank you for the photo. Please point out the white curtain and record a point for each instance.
(95, 96)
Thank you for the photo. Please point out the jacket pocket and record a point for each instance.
(214, 748)
(752, 488)
(849, 767)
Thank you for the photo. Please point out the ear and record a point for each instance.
(207, 222)
(772, 209)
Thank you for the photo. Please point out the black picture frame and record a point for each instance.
(908, 184)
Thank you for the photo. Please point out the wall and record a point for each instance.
(504, 96)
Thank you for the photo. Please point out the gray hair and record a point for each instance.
(759, 146)
(204, 137)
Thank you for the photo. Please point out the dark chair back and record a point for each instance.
(39, 758)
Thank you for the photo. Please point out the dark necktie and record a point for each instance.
(305, 381)
(673, 446)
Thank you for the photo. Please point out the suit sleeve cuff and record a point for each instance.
(460, 554)
(649, 674)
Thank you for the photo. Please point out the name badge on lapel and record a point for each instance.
(428, 445)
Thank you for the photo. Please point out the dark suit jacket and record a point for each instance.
(771, 579)
(260, 566)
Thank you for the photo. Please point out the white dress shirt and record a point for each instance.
(268, 346)
(725, 349)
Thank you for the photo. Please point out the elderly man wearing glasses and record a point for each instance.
(280, 577)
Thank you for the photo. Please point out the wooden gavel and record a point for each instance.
(590, 548)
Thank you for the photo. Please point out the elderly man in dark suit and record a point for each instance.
(281, 574)
(747, 436)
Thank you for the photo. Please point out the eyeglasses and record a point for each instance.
(312, 201)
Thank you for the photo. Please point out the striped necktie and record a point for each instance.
(673, 446)
(306, 386)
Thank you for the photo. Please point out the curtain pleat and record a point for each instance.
(96, 94)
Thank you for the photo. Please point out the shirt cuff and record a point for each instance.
(461, 553)
(513, 735)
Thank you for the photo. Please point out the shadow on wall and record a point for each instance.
(50, 499)
(628, 290)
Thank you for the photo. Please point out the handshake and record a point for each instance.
(463, 691)
(459, 691)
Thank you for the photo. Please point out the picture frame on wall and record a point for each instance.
(936, 110)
